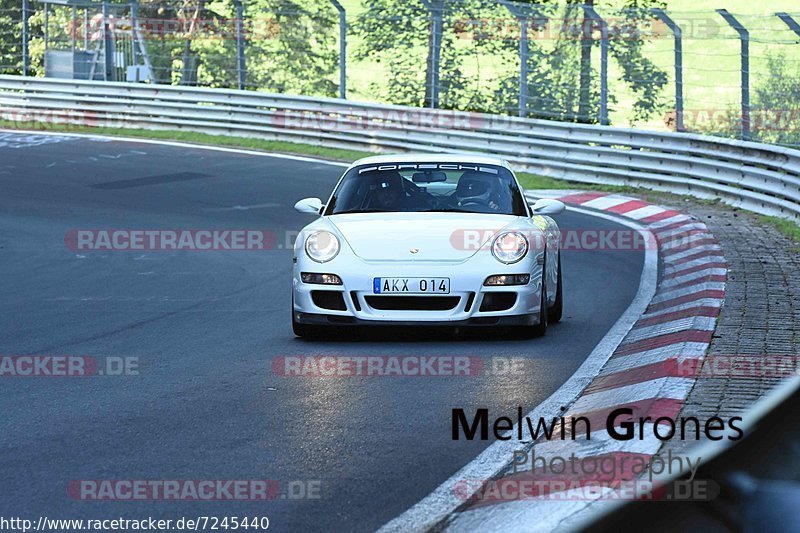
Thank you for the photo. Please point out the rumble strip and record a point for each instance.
(651, 371)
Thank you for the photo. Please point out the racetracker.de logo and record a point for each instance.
(575, 239)
(763, 120)
(337, 119)
(174, 489)
(66, 366)
(636, 28)
(169, 239)
(480, 492)
(64, 120)
(335, 366)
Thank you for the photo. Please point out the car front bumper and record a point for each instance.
(469, 302)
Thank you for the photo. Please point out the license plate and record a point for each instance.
(411, 285)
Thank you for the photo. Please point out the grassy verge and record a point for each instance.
(528, 180)
(285, 147)
(534, 181)
(787, 227)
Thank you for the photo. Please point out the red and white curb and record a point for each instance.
(648, 368)
(648, 372)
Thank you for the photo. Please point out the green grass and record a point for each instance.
(285, 147)
(528, 180)
(787, 227)
(534, 181)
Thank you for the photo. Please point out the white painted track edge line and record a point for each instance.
(441, 503)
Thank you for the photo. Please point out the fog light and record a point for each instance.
(320, 279)
(507, 279)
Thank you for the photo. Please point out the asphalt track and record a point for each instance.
(205, 327)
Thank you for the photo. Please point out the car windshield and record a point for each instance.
(428, 187)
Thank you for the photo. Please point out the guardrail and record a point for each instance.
(753, 176)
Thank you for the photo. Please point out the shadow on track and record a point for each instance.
(418, 334)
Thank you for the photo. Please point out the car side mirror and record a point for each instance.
(548, 206)
(309, 205)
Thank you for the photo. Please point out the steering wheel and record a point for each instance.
(471, 201)
(417, 192)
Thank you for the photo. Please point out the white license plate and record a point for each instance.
(411, 285)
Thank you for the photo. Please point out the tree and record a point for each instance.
(562, 82)
(11, 32)
(290, 46)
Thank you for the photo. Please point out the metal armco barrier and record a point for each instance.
(753, 176)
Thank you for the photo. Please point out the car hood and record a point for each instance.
(451, 237)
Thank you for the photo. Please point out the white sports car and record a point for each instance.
(427, 240)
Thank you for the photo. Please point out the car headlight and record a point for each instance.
(509, 247)
(322, 246)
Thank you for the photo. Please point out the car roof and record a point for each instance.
(432, 158)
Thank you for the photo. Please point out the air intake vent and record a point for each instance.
(498, 301)
(412, 303)
(332, 300)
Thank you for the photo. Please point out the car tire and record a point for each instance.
(537, 330)
(540, 329)
(554, 313)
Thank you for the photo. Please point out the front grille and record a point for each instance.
(498, 301)
(412, 303)
(332, 300)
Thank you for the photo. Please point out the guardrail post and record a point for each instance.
(592, 14)
(677, 34)
(521, 15)
(134, 7)
(73, 29)
(523, 66)
(108, 52)
(46, 26)
(139, 42)
(342, 49)
(241, 65)
(744, 37)
(26, 61)
(436, 8)
(793, 25)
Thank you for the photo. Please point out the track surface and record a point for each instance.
(205, 327)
